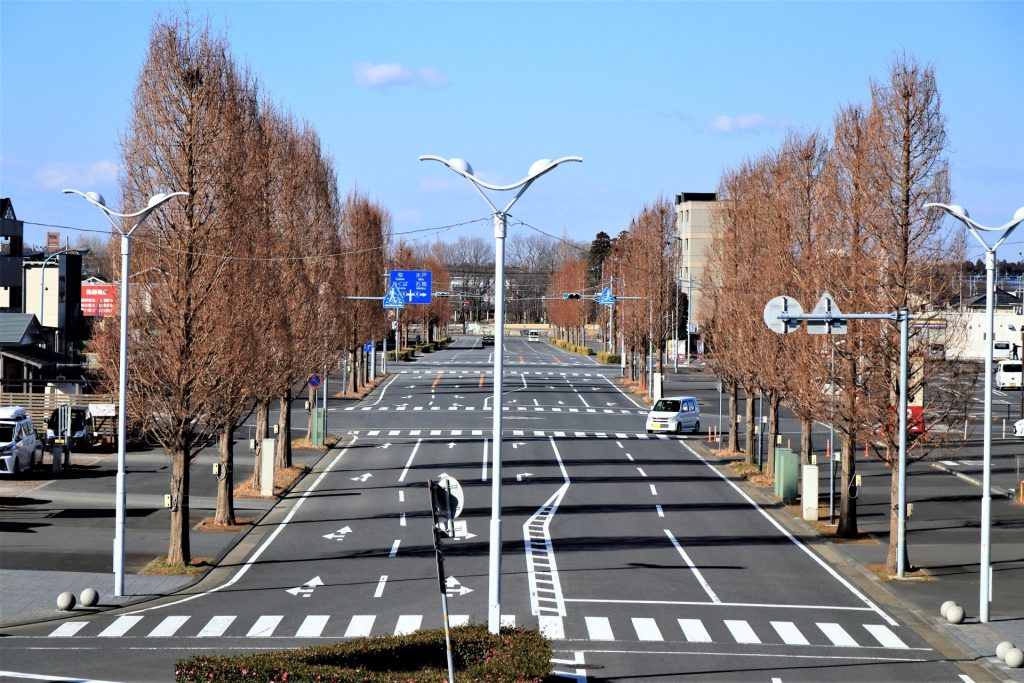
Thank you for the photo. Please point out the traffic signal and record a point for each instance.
(570, 295)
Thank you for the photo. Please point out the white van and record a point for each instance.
(1008, 374)
(19, 447)
(674, 414)
(533, 336)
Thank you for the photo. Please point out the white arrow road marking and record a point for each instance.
(338, 535)
(361, 477)
(453, 587)
(451, 444)
(521, 475)
(306, 589)
(386, 444)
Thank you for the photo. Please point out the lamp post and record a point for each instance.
(462, 167)
(960, 213)
(96, 199)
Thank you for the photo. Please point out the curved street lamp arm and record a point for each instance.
(499, 188)
(958, 213)
(154, 201)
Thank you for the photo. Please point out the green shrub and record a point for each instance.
(404, 354)
(513, 656)
(609, 358)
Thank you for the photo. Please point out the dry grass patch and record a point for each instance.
(159, 566)
(209, 525)
(284, 479)
(911, 574)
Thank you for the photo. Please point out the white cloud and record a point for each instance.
(726, 124)
(369, 75)
(61, 174)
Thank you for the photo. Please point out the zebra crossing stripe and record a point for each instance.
(312, 626)
(264, 627)
(694, 631)
(216, 627)
(599, 628)
(508, 620)
(68, 629)
(838, 635)
(646, 629)
(789, 633)
(360, 625)
(458, 620)
(885, 637)
(120, 626)
(168, 627)
(408, 623)
(741, 632)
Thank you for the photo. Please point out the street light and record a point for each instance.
(462, 167)
(960, 213)
(96, 199)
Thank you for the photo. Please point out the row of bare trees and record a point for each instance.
(844, 214)
(241, 289)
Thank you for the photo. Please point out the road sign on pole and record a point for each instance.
(607, 298)
(782, 304)
(393, 299)
(314, 381)
(415, 285)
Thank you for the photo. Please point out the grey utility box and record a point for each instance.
(786, 470)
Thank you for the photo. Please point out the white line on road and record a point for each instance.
(886, 637)
(394, 547)
(647, 629)
(661, 513)
(599, 628)
(641, 471)
(629, 457)
(68, 629)
(380, 586)
(483, 464)
(789, 633)
(694, 631)
(312, 626)
(401, 496)
(360, 625)
(408, 623)
(216, 627)
(401, 519)
(264, 626)
(824, 565)
(654, 491)
(384, 390)
(120, 626)
(168, 627)
(838, 635)
(696, 572)
(411, 456)
(741, 632)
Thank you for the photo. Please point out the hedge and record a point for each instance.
(404, 354)
(609, 357)
(512, 656)
(573, 348)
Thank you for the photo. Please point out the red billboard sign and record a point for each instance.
(99, 300)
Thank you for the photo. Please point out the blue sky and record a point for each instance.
(658, 98)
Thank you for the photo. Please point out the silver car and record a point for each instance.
(676, 414)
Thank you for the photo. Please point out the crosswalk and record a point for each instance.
(505, 409)
(594, 628)
(525, 433)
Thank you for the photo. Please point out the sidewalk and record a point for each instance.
(944, 543)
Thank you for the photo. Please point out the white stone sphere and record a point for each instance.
(955, 614)
(1014, 658)
(89, 597)
(66, 601)
(945, 606)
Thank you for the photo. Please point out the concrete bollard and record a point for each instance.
(955, 614)
(89, 597)
(1002, 648)
(66, 601)
(1014, 658)
(945, 606)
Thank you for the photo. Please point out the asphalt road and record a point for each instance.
(634, 554)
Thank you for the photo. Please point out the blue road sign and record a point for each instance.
(314, 381)
(368, 347)
(393, 299)
(415, 285)
(607, 298)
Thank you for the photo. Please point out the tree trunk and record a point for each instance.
(733, 428)
(773, 430)
(847, 503)
(806, 445)
(178, 550)
(892, 556)
(284, 431)
(226, 483)
(354, 374)
(748, 427)
(312, 406)
(262, 427)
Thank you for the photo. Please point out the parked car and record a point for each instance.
(90, 427)
(533, 336)
(487, 340)
(1009, 374)
(19, 447)
(674, 414)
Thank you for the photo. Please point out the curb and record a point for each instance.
(995, 490)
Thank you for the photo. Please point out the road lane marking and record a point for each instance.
(360, 626)
(654, 491)
(824, 565)
(437, 381)
(120, 626)
(483, 464)
(69, 629)
(546, 603)
(384, 391)
(641, 471)
(629, 457)
(741, 632)
(508, 620)
(394, 547)
(312, 626)
(886, 637)
(696, 572)
(216, 627)
(401, 519)
(661, 513)
(646, 629)
(599, 628)
(401, 496)
(838, 635)
(789, 633)
(168, 627)
(264, 626)
(411, 456)
(408, 623)
(694, 631)
(458, 620)
(380, 586)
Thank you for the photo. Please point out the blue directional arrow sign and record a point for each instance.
(606, 298)
(393, 299)
(415, 285)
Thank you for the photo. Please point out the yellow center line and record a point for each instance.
(521, 359)
(436, 381)
(558, 359)
(481, 379)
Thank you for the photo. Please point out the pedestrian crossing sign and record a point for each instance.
(606, 298)
(393, 299)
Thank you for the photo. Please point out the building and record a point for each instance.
(12, 232)
(694, 229)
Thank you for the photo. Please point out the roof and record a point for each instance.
(31, 355)
(1002, 299)
(14, 327)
